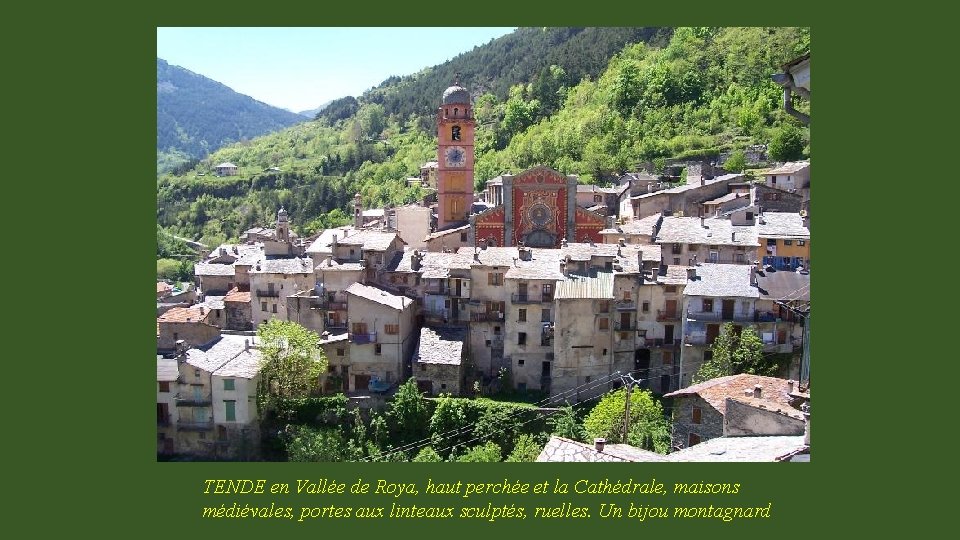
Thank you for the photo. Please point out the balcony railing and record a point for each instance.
(487, 316)
(330, 305)
(664, 315)
(193, 400)
(364, 338)
(437, 289)
(190, 425)
(268, 293)
(660, 343)
(629, 305)
(334, 325)
(620, 325)
(715, 316)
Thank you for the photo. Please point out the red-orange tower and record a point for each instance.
(455, 136)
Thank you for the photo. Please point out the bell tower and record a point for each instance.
(455, 134)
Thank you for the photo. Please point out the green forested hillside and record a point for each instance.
(196, 115)
(701, 91)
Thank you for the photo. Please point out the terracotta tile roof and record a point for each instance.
(774, 391)
(184, 314)
(163, 287)
(236, 295)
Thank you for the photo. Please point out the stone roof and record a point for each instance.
(543, 264)
(674, 274)
(768, 405)
(590, 188)
(560, 449)
(430, 165)
(167, 370)
(213, 302)
(491, 256)
(642, 175)
(380, 296)
(245, 365)
(217, 353)
(714, 231)
(782, 284)
(226, 164)
(446, 232)
(645, 226)
(722, 280)
(584, 287)
(370, 240)
(325, 240)
(213, 269)
(432, 265)
(326, 338)
(728, 197)
(740, 449)
(790, 167)
(331, 264)
(295, 265)
(774, 391)
(688, 187)
(782, 225)
(440, 346)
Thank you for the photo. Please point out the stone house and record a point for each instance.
(382, 337)
(773, 199)
(191, 324)
(272, 281)
(439, 361)
(336, 347)
(793, 176)
(659, 315)
(227, 169)
(686, 240)
(167, 417)
(239, 315)
(735, 405)
(451, 239)
(784, 240)
(683, 199)
(370, 248)
(412, 223)
(638, 231)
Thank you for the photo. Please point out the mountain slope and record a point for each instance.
(196, 115)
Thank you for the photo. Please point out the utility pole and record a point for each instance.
(626, 412)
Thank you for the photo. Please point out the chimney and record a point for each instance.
(180, 347)
(622, 242)
(757, 391)
(789, 387)
(563, 268)
(806, 423)
(747, 392)
(692, 272)
(201, 310)
(733, 236)
(563, 242)
(246, 344)
(599, 443)
(702, 220)
(753, 275)
(333, 243)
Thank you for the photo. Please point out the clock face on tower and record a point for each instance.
(455, 156)
(540, 215)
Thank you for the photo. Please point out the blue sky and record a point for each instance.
(302, 68)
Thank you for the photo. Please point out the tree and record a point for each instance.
(736, 353)
(787, 144)
(526, 450)
(291, 361)
(647, 423)
(307, 444)
(564, 423)
(427, 455)
(485, 453)
(737, 162)
(408, 415)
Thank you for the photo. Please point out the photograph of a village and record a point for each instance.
(560, 244)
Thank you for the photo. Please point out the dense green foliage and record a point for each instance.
(648, 426)
(787, 143)
(196, 115)
(735, 353)
(291, 362)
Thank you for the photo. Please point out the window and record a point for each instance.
(642, 333)
(496, 330)
(707, 356)
(788, 242)
(274, 308)
(196, 373)
(707, 305)
(676, 249)
(604, 306)
(604, 353)
(455, 133)
(670, 288)
(520, 362)
(463, 237)
(604, 323)
(231, 410)
(668, 358)
(676, 260)
(696, 415)
(587, 379)
(229, 384)
(522, 316)
(801, 242)
(545, 315)
(771, 241)
(693, 439)
(645, 307)
(359, 328)
(626, 296)
(598, 198)
(376, 349)
(488, 343)
(164, 386)
(749, 216)
(392, 329)
(521, 338)
(176, 337)
(773, 179)
(741, 258)
(443, 386)
(495, 278)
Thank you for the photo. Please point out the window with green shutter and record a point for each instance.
(231, 407)
(228, 384)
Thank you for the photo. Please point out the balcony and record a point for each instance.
(664, 315)
(699, 340)
(437, 289)
(268, 293)
(337, 304)
(163, 421)
(720, 317)
(193, 400)
(190, 425)
(518, 298)
(334, 325)
(660, 343)
(620, 325)
(363, 338)
(626, 305)
(487, 316)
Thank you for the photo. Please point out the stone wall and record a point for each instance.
(743, 419)
(710, 426)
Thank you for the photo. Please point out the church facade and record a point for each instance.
(536, 208)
